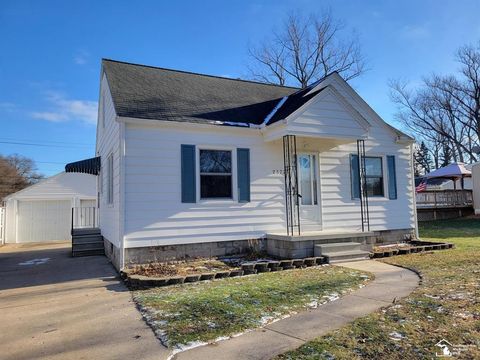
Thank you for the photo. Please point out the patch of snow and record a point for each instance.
(189, 346)
(332, 297)
(396, 336)
(34, 262)
(275, 109)
(236, 123)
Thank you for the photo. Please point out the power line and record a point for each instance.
(42, 145)
(46, 142)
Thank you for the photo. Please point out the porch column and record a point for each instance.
(292, 210)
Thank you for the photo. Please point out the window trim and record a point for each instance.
(374, 198)
(233, 152)
(110, 192)
(383, 175)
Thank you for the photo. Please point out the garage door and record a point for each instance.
(43, 220)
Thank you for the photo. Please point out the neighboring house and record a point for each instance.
(199, 165)
(43, 211)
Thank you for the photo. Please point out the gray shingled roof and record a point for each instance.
(147, 92)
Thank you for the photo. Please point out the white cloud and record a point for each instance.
(81, 57)
(49, 116)
(62, 109)
(415, 31)
(7, 106)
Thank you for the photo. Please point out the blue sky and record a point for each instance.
(51, 50)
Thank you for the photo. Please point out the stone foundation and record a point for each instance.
(113, 253)
(283, 249)
(144, 255)
(392, 236)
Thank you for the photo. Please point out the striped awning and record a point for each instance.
(87, 166)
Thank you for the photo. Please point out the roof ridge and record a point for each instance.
(199, 74)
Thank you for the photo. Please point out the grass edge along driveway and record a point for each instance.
(188, 314)
(445, 306)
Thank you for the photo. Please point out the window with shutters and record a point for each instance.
(215, 174)
(374, 176)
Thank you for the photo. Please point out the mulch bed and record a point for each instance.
(188, 271)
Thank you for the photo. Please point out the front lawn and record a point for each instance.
(205, 311)
(446, 306)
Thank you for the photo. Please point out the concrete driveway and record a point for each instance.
(54, 306)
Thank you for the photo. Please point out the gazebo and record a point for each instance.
(452, 172)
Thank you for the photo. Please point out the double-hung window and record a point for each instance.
(215, 174)
(374, 176)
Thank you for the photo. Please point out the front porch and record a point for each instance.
(335, 245)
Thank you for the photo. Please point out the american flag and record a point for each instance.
(421, 187)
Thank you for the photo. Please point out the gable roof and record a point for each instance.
(147, 92)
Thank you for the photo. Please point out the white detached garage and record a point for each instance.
(42, 212)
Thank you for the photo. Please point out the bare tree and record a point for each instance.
(306, 50)
(445, 110)
(16, 173)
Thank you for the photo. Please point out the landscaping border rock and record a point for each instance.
(416, 247)
(138, 282)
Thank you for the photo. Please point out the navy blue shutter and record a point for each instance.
(243, 175)
(189, 190)
(355, 176)
(392, 177)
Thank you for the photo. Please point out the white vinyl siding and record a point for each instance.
(155, 214)
(108, 143)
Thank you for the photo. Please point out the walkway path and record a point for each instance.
(390, 283)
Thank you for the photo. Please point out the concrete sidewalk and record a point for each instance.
(390, 283)
(54, 306)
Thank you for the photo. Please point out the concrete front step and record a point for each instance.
(86, 239)
(321, 249)
(88, 246)
(343, 256)
(86, 231)
(91, 252)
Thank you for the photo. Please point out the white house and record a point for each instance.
(199, 165)
(43, 212)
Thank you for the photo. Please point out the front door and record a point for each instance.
(309, 199)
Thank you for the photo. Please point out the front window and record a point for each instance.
(215, 174)
(374, 176)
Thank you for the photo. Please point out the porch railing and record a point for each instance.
(84, 217)
(444, 198)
